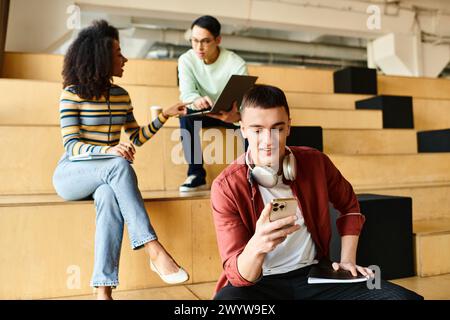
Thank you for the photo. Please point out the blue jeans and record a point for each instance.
(191, 143)
(113, 185)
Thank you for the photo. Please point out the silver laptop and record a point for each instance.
(234, 90)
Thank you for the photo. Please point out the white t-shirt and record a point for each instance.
(298, 250)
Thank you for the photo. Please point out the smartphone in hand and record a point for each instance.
(282, 208)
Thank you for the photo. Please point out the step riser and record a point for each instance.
(39, 106)
(431, 114)
(370, 141)
(428, 202)
(337, 119)
(48, 67)
(413, 86)
(294, 79)
(432, 254)
(327, 119)
(32, 66)
(368, 172)
(159, 164)
(138, 72)
(70, 251)
(323, 101)
(185, 228)
(29, 102)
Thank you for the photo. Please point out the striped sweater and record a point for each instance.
(95, 125)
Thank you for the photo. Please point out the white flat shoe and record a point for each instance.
(178, 277)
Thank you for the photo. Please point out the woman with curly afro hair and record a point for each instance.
(93, 112)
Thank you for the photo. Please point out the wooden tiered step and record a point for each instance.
(184, 225)
(427, 88)
(48, 67)
(46, 239)
(35, 66)
(328, 119)
(38, 149)
(431, 114)
(430, 201)
(36, 102)
(432, 238)
(369, 141)
(331, 101)
(164, 73)
(367, 172)
(294, 78)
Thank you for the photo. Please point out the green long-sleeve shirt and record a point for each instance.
(197, 79)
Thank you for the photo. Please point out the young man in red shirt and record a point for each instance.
(265, 259)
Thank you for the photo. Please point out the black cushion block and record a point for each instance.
(434, 141)
(387, 236)
(355, 80)
(308, 136)
(397, 110)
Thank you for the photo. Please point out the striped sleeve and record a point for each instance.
(139, 135)
(70, 127)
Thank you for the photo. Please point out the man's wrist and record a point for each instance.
(253, 251)
(348, 260)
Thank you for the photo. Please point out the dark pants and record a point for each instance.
(294, 286)
(192, 147)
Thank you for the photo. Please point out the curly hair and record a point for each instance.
(88, 63)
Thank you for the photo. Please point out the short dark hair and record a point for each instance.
(88, 64)
(209, 23)
(265, 97)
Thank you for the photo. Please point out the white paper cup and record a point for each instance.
(155, 111)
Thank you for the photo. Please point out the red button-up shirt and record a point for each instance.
(237, 204)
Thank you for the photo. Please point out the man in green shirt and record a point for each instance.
(203, 72)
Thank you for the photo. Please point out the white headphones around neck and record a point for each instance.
(268, 177)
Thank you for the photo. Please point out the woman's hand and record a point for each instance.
(125, 150)
(176, 110)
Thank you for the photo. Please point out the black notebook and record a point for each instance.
(323, 272)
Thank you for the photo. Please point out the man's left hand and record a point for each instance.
(353, 268)
(231, 116)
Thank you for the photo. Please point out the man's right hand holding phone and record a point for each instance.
(268, 235)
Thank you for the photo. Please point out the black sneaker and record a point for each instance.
(193, 183)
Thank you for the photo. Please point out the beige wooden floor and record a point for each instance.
(432, 288)
(202, 291)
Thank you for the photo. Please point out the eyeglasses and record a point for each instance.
(204, 42)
